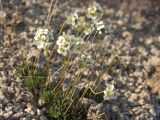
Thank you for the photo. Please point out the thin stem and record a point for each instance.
(47, 67)
(62, 27)
(77, 80)
(50, 56)
(69, 107)
(36, 61)
(90, 31)
(63, 74)
(57, 71)
(30, 75)
(33, 76)
(52, 12)
(96, 93)
(67, 92)
(82, 96)
(49, 12)
(92, 41)
(82, 24)
(1, 4)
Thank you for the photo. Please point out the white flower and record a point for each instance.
(41, 44)
(95, 11)
(110, 92)
(100, 27)
(73, 19)
(62, 51)
(42, 38)
(61, 40)
(68, 44)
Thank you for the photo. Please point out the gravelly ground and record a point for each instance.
(136, 78)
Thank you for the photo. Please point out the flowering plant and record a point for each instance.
(58, 98)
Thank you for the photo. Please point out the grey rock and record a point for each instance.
(39, 112)
(88, 102)
(43, 118)
(7, 114)
(98, 112)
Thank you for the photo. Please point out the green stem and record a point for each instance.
(62, 27)
(96, 93)
(48, 71)
(81, 25)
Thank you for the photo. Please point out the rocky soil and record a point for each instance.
(136, 78)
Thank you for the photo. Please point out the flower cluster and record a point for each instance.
(95, 11)
(42, 38)
(110, 92)
(69, 44)
(73, 19)
(100, 27)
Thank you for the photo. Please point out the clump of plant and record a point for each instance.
(63, 102)
(60, 104)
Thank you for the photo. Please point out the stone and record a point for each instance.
(106, 77)
(127, 35)
(30, 109)
(98, 112)
(2, 64)
(24, 119)
(127, 94)
(39, 112)
(138, 90)
(155, 51)
(43, 118)
(137, 110)
(134, 97)
(148, 106)
(119, 13)
(140, 80)
(141, 102)
(19, 114)
(120, 22)
(144, 94)
(87, 102)
(8, 114)
(152, 111)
